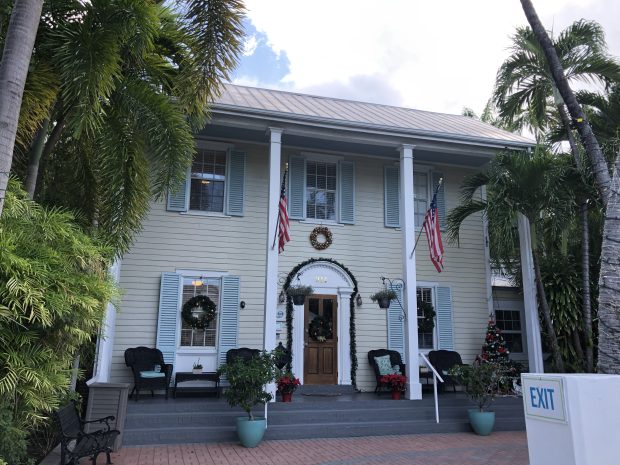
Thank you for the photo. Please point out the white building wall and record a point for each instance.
(172, 241)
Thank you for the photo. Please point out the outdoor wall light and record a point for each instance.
(281, 297)
(358, 300)
(242, 304)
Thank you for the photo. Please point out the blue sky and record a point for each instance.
(436, 56)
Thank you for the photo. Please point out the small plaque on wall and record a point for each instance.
(281, 314)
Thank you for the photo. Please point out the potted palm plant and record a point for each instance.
(383, 297)
(299, 293)
(481, 382)
(247, 380)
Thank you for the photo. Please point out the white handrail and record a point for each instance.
(435, 377)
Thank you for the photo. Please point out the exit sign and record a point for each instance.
(543, 397)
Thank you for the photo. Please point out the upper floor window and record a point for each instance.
(321, 190)
(509, 321)
(420, 197)
(208, 179)
(192, 337)
(425, 338)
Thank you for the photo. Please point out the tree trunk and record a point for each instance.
(586, 306)
(18, 46)
(51, 142)
(595, 154)
(546, 312)
(34, 157)
(609, 283)
(585, 284)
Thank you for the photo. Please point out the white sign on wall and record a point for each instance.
(543, 398)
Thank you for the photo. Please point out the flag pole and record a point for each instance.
(275, 235)
(433, 202)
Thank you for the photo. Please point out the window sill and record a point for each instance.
(201, 213)
(196, 349)
(321, 222)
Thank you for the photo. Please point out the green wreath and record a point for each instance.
(208, 312)
(427, 323)
(320, 329)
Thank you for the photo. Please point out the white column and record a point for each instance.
(344, 336)
(271, 262)
(105, 340)
(532, 324)
(298, 342)
(487, 257)
(407, 225)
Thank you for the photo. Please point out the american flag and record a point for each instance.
(433, 233)
(283, 224)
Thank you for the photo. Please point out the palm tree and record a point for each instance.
(124, 78)
(527, 96)
(519, 184)
(20, 37)
(609, 282)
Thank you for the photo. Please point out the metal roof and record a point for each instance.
(311, 108)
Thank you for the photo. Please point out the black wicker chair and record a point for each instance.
(242, 352)
(75, 443)
(443, 360)
(143, 361)
(394, 359)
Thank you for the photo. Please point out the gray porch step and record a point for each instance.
(190, 420)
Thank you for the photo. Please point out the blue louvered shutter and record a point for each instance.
(297, 187)
(445, 332)
(169, 310)
(391, 187)
(347, 192)
(178, 195)
(235, 183)
(229, 317)
(396, 323)
(441, 199)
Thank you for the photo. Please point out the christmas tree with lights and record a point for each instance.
(494, 347)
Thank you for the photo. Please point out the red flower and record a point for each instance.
(288, 383)
(395, 381)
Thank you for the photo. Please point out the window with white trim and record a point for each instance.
(193, 286)
(425, 338)
(509, 321)
(421, 196)
(208, 181)
(321, 182)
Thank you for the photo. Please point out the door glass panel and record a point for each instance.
(328, 314)
(313, 308)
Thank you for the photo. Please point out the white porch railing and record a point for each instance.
(436, 376)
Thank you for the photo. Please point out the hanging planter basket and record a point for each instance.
(383, 298)
(299, 293)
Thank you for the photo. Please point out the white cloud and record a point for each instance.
(438, 56)
(249, 46)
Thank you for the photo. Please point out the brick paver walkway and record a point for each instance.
(433, 449)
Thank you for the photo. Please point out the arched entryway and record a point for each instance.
(333, 290)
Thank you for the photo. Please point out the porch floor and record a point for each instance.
(190, 419)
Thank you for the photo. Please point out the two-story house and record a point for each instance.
(364, 175)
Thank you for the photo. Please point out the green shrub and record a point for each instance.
(481, 381)
(247, 380)
(54, 286)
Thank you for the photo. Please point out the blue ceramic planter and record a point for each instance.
(481, 422)
(251, 432)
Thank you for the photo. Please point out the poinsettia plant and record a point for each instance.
(396, 381)
(287, 383)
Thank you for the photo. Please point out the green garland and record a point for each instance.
(289, 312)
(208, 308)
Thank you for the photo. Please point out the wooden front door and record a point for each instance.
(321, 340)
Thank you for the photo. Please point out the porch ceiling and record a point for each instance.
(352, 141)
